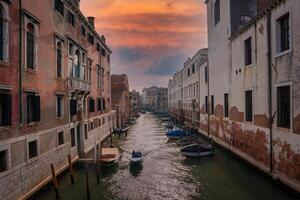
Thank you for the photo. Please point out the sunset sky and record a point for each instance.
(150, 39)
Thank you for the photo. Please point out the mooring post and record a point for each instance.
(71, 169)
(87, 182)
(54, 181)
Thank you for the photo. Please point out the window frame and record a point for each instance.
(57, 8)
(60, 138)
(36, 109)
(59, 74)
(71, 18)
(248, 51)
(217, 12)
(226, 105)
(6, 38)
(28, 149)
(247, 119)
(290, 107)
(59, 105)
(278, 50)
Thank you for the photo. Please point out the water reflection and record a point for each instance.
(135, 169)
(164, 174)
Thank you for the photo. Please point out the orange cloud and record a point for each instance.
(142, 33)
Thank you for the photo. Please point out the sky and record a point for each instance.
(150, 39)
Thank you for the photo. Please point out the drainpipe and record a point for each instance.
(270, 87)
(20, 63)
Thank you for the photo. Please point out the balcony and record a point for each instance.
(78, 84)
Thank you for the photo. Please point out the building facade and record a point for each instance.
(54, 91)
(155, 99)
(120, 98)
(249, 98)
(135, 103)
(184, 89)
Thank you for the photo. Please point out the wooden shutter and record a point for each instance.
(36, 108)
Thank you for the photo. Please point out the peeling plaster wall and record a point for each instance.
(228, 74)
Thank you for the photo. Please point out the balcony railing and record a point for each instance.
(79, 84)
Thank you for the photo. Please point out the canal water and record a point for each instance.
(165, 174)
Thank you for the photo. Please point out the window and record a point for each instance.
(61, 138)
(77, 64)
(73, 107)
(92, 126)
(212, 104)
(283, 33)
(3, 161)
(99, 104)
(206, 73)
(248, 104)
(71, 18)
(248, 51)
(103, 104)
(30, 46)
(59, 7)
(189, 72)
(226, 105)
(217, 11)
(85, 132)
(83, 32)
(193, 68)
(283, 107)
(206, 104)
(32, 149)
(59, 106)
(33, 108)
(59, 58)
(4, 40)
(91, 38)
(98, 47)
(72, 132)
(103, 53)
(99, 76)
(92, 105)
(5, 109)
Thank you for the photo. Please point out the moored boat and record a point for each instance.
(136, 157)
(197, 150)
(186, 141)
(177, 133)
(110, 156)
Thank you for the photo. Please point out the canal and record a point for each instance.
(165, 174)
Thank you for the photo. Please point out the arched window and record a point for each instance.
(30, 46)
(77, 64)
(3, 32)
(59, 57)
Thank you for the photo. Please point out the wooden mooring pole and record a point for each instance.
(71, 169)
(87, 182)
(54, 182)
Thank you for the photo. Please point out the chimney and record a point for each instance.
(91, 21)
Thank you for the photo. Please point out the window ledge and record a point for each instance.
(3, 62)
(60, 78)
(248, 66)
(277, 55)
(59, 14)
(30, 70)
(286, 130)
